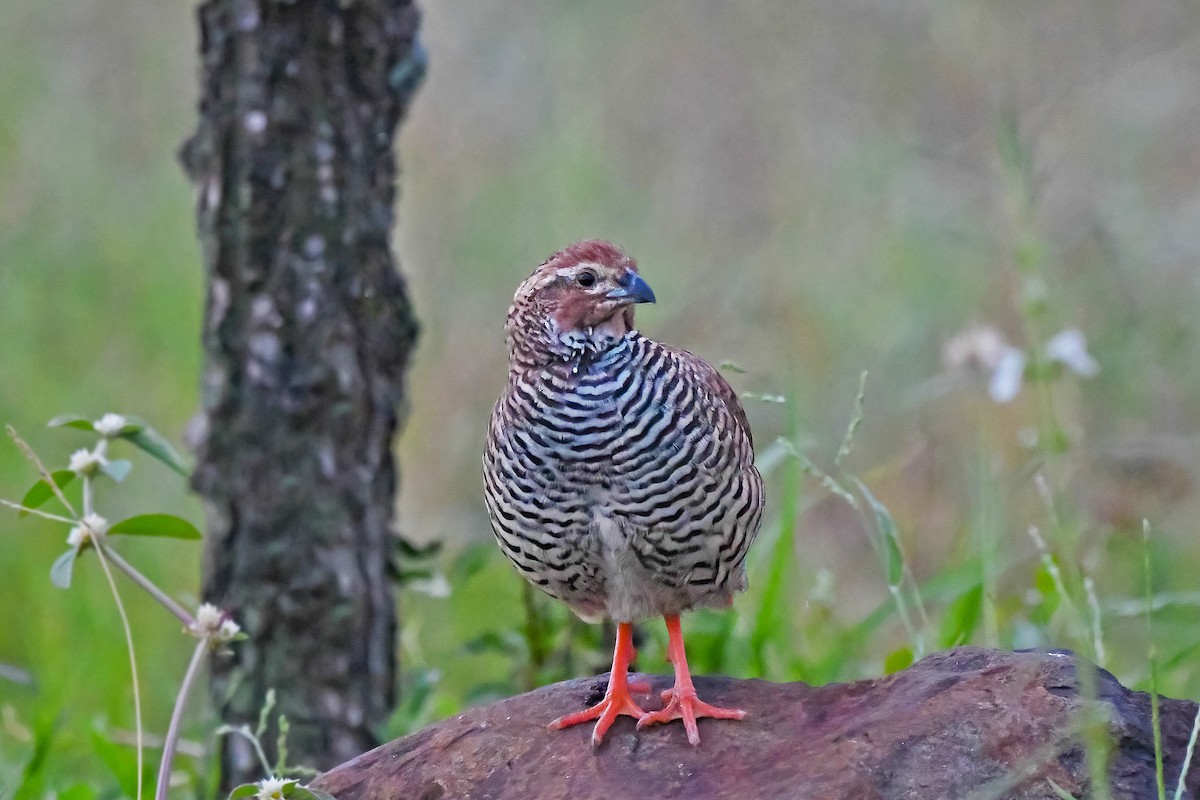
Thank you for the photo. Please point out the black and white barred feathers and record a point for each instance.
(619, 472)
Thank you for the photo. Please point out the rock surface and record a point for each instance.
(967, 723)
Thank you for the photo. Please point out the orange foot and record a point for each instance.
(681, 701)
(617, 699)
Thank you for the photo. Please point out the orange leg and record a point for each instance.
(681, 701)
(617, 700)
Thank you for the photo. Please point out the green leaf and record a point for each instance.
(151, 441)
(411, 550)
(962, 616)
(60, 571)
(71, 421)
(121, 762)
(166, 525)
(890, 538)
(117, 470)
(471, 560)
(509, 643)
(34, 773)
(79, 791)
(1043, 581)
(298, 792)
(898, 660)
(41, 491)
(245, 790)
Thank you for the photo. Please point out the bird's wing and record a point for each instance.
(719, 391)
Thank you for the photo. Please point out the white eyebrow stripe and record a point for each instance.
(565, 271)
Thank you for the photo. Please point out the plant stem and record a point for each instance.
(31, 456)
(1089, 586)
(249, 735)
(89, 496)
(1153, 657)
(168, 754)
(103, 557)
(158, 594)
(36, 512)
(1187, 759)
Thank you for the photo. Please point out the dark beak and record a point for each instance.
(633, 289)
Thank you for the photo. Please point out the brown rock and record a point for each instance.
(967, 723)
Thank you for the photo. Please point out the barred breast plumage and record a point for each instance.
(619, 472)
(623, 484)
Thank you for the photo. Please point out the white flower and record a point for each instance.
(1069, 348)
(86, 462)
(214, 625)
(228, 630)
(208, 617)
(979, 346)
(90, 527)
(272, 788)
(110, 425)
(1008, 376)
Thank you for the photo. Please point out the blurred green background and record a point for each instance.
(813, 190)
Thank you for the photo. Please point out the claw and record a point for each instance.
(617, 698)
(681, 701)
(605, 713)
(685, 705)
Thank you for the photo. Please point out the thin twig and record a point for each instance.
(27, 451)
(1155, 719)
(1187, 759)
(137, 694)
(245, 732)
(1077, 624)
(1089, 586)
(855, 420)
(36, 511)
(158, 594)
(916, 592)
(918, 641)
(168, 754)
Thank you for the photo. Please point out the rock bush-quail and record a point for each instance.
(619, 472)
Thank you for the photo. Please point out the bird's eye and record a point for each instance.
(586, 278)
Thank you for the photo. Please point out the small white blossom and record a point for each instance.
(86, 462)
(208, 617)
(272, 788)
(110, 425)
(228, 630)
(1008, 376)
(90, 527)
(1069, 348)
(979, 346)
(214, 625)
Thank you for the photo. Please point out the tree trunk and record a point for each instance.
(307, 335)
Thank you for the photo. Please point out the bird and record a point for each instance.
(619, 472)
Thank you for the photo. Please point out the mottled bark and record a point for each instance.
(968, 723)
(307, 335)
